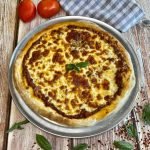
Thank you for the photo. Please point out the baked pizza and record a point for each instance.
(74, 73)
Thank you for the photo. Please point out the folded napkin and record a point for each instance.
(121, 14)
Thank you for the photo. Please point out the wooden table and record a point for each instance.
(12, 30)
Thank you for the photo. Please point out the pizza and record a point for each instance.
(74, 73)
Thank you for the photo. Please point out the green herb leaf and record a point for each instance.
(72, 67)
(18, 126)
(123, 145)
(131, 130)
(82, 146)
(43, 142)
(82, 64)
(146, 114)
(76, 66)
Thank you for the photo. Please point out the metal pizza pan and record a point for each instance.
(75, 132)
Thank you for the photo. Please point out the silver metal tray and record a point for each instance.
(57, 129)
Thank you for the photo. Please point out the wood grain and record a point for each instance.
(105, 140)
(7, 34)
(25, 139)
(144, 96)
(139, 38)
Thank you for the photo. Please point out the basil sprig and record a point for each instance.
(123, 145)
(131, 130)
(72, 67)
(43, 142)
(82, 64)
(76, 66)
(82, 146)
(146, 114)
(18, 125)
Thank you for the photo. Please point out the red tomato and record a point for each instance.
(48, 8)
(26, 10)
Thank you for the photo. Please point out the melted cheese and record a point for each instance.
(47, 61)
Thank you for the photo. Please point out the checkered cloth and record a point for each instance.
(121, 14)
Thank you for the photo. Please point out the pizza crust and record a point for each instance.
(39, 107)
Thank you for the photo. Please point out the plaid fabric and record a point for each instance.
(121, 14)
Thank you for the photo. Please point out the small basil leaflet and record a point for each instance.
(131, 130)
(43, 142)
(123, 145)
(82, 64)
(82, 146)
(146, 114)
(72, 67)
(18, 125)
(76, 66)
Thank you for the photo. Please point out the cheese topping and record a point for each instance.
(71, 93)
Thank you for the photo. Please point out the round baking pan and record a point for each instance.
(75, 132)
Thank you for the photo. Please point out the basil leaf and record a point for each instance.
(43, 142)
(146, 114)
(131, 130)
(76, 66)
(82, 64)
(123, 145)
(72, 67)
(18, 125)
(82, 146)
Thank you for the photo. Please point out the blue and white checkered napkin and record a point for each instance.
(121, 14)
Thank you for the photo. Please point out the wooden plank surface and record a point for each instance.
(105, 140)
(25, 139)
(143, 48)
(139, 38)
(7, 34)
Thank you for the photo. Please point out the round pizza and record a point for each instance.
(74, 73)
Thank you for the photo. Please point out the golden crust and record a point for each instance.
(38, 105)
